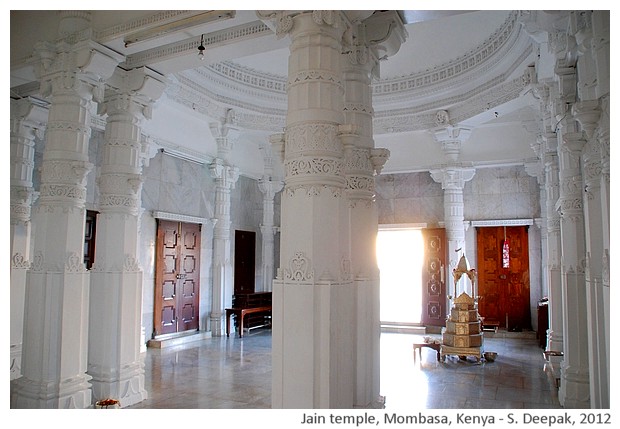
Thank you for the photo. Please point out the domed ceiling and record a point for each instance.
(473, 65)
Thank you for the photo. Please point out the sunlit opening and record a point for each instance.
(400, 256)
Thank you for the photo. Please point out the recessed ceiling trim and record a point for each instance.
(177, 25)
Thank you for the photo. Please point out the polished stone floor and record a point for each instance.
(234, 373)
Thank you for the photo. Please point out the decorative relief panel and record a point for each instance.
(312, 137)
(300, 269)
(361, 183)
(358, 160)
(314, 190)
(131, 264)
(19, 262)
(75, 263)
(304, 165)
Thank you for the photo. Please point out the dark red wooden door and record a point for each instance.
(177, 277)
(245, 262)
(504, 283)
(433, 277)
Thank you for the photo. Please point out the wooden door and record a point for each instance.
(433, 277)
(504, 284)
(90, 232)
(245, 255)
(177, 277)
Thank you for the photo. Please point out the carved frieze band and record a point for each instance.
(313, 190)
(314, 166)
(314, 137)
(129, 264)
(120, 191)
(73, 263)
(361, 183)
(321, 76)
(21, 202)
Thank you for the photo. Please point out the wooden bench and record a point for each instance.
(489, 325)
(240, 313)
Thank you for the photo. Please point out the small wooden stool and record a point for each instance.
(418, 347)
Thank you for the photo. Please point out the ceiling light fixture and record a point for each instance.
(201, 48)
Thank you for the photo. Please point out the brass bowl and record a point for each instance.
(490, 356)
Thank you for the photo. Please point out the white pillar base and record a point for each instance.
(127, 387)
(574, 387)
(16, 361)
(314, 331)
(74, 392)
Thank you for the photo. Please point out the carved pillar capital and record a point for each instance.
(82, 67)
(226, 175)
(225, 132)
(453, 177)
(270, 188)
(451, 138)
(132, 91)
(587, 113)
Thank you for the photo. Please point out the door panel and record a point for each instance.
(433, 277)
(245, 255)
(189, 276)
(177, 277)
(505, 290)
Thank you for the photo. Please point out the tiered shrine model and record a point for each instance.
(463, 335)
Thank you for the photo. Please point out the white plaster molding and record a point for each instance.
(502, 222)
(181, 218)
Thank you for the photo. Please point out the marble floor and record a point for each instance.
(235, 373)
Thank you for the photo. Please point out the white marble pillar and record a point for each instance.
(54, 358)
(313, 308)
(362, 162)
(28, 121)
(604, 310)
(574, 387)
(269, 188)
(226, 177)
(588, 113)
(114, 360)
(555, 333)
(452, 181)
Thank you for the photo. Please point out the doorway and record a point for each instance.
(177, 277)
(412, 271)
(245, 265)
(400, 253)
(503, 276)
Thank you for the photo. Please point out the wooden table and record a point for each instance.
(417, 347)
(241, 313)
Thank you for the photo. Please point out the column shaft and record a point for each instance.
(57, 291)
(269, 188)
(114, 359)
(27, 119)
(362, 160)
(313, 345)
(574, 387)
(225, 176)
(555, 340)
